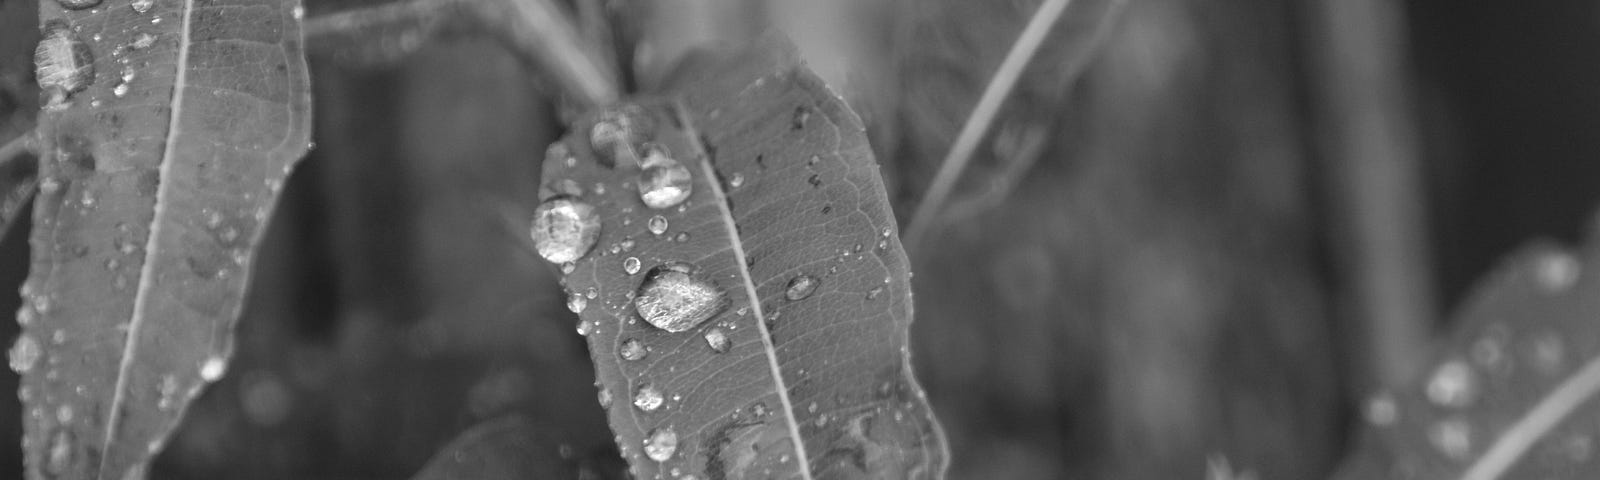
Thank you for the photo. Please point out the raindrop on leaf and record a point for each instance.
(25, 354)
(717, 339)
(565, 229)
(633, 350)
(577, 302)
(630, 265)
(648, 398)
(62, 63)
(1453, 384)
(657, 225)
(673, 299)
(800, 287)
(664, 182)
(662, 443)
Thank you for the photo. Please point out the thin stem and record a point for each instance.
(23, 145)
(983, 115)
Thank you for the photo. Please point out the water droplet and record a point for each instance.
(1548, 354)
(664, 182)
(213, 368)
(630, 265)
(1453, 384)
(298, 12)
(65, 414)
(1452, 437)
(717, 339)
(565, 229)
(576, 302)
(657, 225)
(25, 354)
(77, 4)
(800, 287)
(618, 130)
(1489, 352)
(568, 267)
(60, 452)
(759, 410)
(627, 245)
(663, 442)
(605, 398)
(168, 393)
(62, 63)
(681, 237)
(41, 303)
(813, 160)
(633, 350)
(673, 299)
(1557, 271)
(648, 398)
(737, 180)
(1382, 410)
(142, 6)
(815, 181)
(583, 328)
(874, 293)
(591, 293)
(142, 41)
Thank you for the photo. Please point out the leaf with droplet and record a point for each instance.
(735, 368)
(510, 448)
(156, 180)
(1512, 392)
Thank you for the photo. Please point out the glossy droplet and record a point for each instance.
(800, 287)
(737, 180)
(717, 339)
(627, 245)
(213, 368)
(62, 64)
(671, 298)
(142, 41)
(1452, 437)
(60, 452)
(1453, 384)
(633, 349)
(630, 265)
(577, 302)
(122, 87)
(874, 293)
(77, 4)
(648, 398)
(662, 443)
(25, 353)
(1557, 272)
(1382, 410)
(681, 237)
(619, 130)
(605, 398)
(664, 182)
(142, 6)
(657, 225)
(564, 229)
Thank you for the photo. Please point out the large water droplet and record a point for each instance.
(577, 302)
(618, 131)
(565, 229)
(633, 349)
(800, 287)
(664, 182)
(1453, 384)
(630, 265)
(62, 64)
(77, 4)
(142, 6)
(648, 398)
(671, 298)
(25, 353)
(1452, 437)
(657, 225)
(717, 339)
(663, 442)
(213, 368)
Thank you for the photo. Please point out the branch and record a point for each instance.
(22, 146)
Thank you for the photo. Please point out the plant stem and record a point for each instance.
(983, 115)
(23, 145)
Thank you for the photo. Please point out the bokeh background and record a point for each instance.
(1154, 265)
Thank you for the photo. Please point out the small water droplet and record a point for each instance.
(619, 130)
(168, 393)
(815, 180)
(568, 267)
(673, 299)
(142, 6)
(1548, 353)
(62, 63)
(874, 293)
(605, 398)
(717, 339)
(759, 410)
(576, 303)
(213, 368)
(60, 452)
(298, 12)
(737, 180)
(41, 303)
(657, 225)
(1557, 271)
(630, 265)
(591, 293)
(812, 162)
(142, 41)
(633, 350)
(663, 442)
(77, 4)
(648, 398)
(1382, 410)
(681, 237)
(565, 229)
(800, 287)
(65, 414)
(812, 408)
(664, 182)
(627, 245)
(1452, 437)
(1453, 384)
(583, 328)
(25, 353)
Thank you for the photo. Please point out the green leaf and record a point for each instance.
(787, 242)
(159, 172)
(1512, 392)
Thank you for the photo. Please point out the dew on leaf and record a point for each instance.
(632, 349)
(630, 265)
(605, 397)
(62, 63)
(663, 181)
(142, 6)
(661, 444)
(800, 287)
(619, 130)
(648, 398)
(142, 41)
(673, 299)
(627, 245)
(60, 452)
(681, 237)
(576, 302)
(77, 4)
(568, 267)
(717, 339)
(565, 229)
(1382, 410)
(213, 368)
(737, 180)
(1547, 353)
(25, 353)
(168, 393)
(657, 225)
(874, 293)
(1556, 271)
(1453, 384)
(1452, 437)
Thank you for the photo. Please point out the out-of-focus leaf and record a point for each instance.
(510, 448)
(801, 371)
(159, 172)
(1512, 393)
(19, 180)
(948, 51)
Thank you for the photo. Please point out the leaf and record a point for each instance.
(802, 369)
(157, 178)
(509, 448)
(1512, 393)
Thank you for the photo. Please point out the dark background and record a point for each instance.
(1158, 288)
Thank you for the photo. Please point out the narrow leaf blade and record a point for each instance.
(784, 381)
(156, 181)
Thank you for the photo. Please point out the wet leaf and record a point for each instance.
(1512, 394)
(510, 448)
(758, 328)
(156, 181)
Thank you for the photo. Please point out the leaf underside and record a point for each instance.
(156, 181)
(1512, 393)
(818, 387)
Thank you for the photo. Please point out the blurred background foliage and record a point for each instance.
(1138, 275)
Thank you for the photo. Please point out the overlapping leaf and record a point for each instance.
(158, 176)
(1513, 393)
(783, 381)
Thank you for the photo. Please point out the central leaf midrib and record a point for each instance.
(737, 246)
